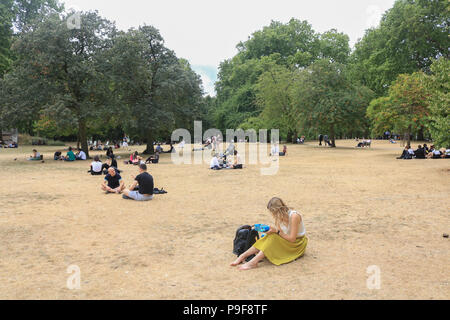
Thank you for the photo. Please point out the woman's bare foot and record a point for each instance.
(248, 266)
(237, 262)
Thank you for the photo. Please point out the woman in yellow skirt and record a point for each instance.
(284, 243)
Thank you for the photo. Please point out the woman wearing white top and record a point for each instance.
(96, 167)
(284, 243)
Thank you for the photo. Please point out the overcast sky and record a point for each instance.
(206, 32)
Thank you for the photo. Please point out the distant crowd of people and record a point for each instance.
(10, 144)
(423, 152)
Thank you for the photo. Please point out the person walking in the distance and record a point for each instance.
(144, 183)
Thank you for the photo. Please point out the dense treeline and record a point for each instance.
(97, 81)
(287, 76)
(91, 79)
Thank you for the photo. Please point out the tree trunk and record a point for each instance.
(82, 134)
(294, 137)
(409, 136)
(333, 137)
(289, 136)
(150, 147)
(420, 136)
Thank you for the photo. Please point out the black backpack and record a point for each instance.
(245, 237)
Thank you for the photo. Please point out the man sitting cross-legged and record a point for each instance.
(113, 182)
(145, 183)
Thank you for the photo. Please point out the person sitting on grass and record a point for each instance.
(237, 164)
(113, 182)
(81, 155)
(153, 159)
(284, 242)
(420, 153)
(405, 154)
(110, 163)
(275, 150)
(284, 152)
(434, 153)
(110, 153)
(96, 167)
(144, 185)
(214, 164)
(70, 155)
(446, 153)
(36, 156)
(135, 158)
(57, 156)
(411, 151)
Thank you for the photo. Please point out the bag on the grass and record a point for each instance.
(245, 237)
(159, 191)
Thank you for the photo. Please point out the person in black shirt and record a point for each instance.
(113, 182)
(57, 155)
(110, 162)
(110, 153)
(420, 153)
(144, 182)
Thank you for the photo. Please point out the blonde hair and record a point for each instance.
(279, 210)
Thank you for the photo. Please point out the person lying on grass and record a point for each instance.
(144, 185)
(113, 182)
(283, 243)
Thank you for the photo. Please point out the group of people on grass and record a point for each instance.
(136, 159)
(221, 162)
(6, 145)
(98, 168)
(140, 190)
(423, 152)
(276, 151)
(364, 143)
(71, 155)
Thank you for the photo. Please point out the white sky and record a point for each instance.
(206, 32)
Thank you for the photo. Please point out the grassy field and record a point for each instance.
(361, 207)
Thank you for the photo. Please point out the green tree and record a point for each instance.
(294, 45)
(274, 94)
(155, 89)
(6, 17)
(20, 14)
(328, 101)
(439, 85)
(406, 107)
(60, 71)
(409, 36)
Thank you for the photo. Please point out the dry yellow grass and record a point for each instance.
(360, 207)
